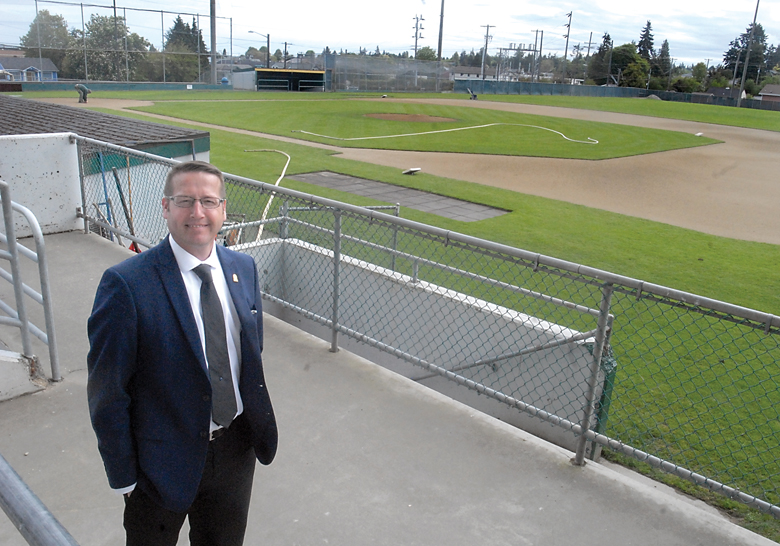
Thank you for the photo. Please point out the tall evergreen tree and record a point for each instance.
(187, 58)
(645, 46)
(662, 63)
(738, 49)
(598, 65)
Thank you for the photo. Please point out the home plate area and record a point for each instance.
(447, 207)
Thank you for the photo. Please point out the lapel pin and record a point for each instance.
(235, 277)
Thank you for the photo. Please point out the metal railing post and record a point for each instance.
(79, 151)
(598, 350)
(396, 213)
(46, 299)
(284, 224)
(334, 344)
(13, 257)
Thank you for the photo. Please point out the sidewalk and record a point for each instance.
(365, 456)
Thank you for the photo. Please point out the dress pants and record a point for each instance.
(218, 516)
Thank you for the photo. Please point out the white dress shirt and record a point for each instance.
(187, 262)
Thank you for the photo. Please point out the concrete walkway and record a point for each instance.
(406, 197)
(365, 456)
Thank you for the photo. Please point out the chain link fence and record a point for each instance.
(683, 383)
(377, 74)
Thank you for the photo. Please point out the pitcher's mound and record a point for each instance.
(408, 117)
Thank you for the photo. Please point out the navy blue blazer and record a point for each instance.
(148, 386)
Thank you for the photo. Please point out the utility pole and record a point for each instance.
(588, 55)
(541, 46)
(484, 50)
(441, 29)
(40, 55)
(747, 58)
(609, 70)
(418, 28)
(566, 50)
(116, 46)
(736, 66)
(533, 67)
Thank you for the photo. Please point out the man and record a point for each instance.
(83, 92)
(176, 389)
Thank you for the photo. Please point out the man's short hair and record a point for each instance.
(193, 167)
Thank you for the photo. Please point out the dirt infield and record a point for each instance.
(730, 189)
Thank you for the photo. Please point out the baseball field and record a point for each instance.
(639, 195)
(680, 195)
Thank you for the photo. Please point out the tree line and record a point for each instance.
(106, 50)
(641, 64)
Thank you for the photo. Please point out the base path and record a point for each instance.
(729, 189)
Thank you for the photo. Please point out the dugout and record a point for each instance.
(286, 79)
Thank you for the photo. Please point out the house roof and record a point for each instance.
(27, 117)
(23, 63)
(771, 89)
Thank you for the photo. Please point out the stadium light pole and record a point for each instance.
(441, 29)
(267, 47)
(213, 42)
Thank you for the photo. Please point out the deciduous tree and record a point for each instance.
(54, 40)
(426, 54)
(113, 53)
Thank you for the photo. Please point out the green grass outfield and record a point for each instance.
(704, 113)
(471, 130)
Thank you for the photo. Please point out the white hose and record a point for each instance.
(589, 141)
(271, 198)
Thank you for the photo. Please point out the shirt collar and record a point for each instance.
(188, 262)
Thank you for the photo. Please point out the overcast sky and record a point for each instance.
(697, 30)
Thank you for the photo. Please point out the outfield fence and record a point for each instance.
(491, 87)
(681, 382)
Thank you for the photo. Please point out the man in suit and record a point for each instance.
(176, 389)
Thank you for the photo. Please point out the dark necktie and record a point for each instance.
(223, 396)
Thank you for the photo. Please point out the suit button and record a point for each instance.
(204, 435)
(206, 398)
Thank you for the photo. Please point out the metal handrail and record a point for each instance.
(18, 317)
(28, 514)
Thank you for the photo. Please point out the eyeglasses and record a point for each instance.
(187, 202)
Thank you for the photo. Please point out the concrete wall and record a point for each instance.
(43, 173)
(441, 326)
(245, 80)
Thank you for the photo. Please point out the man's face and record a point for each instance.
(195, 229)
